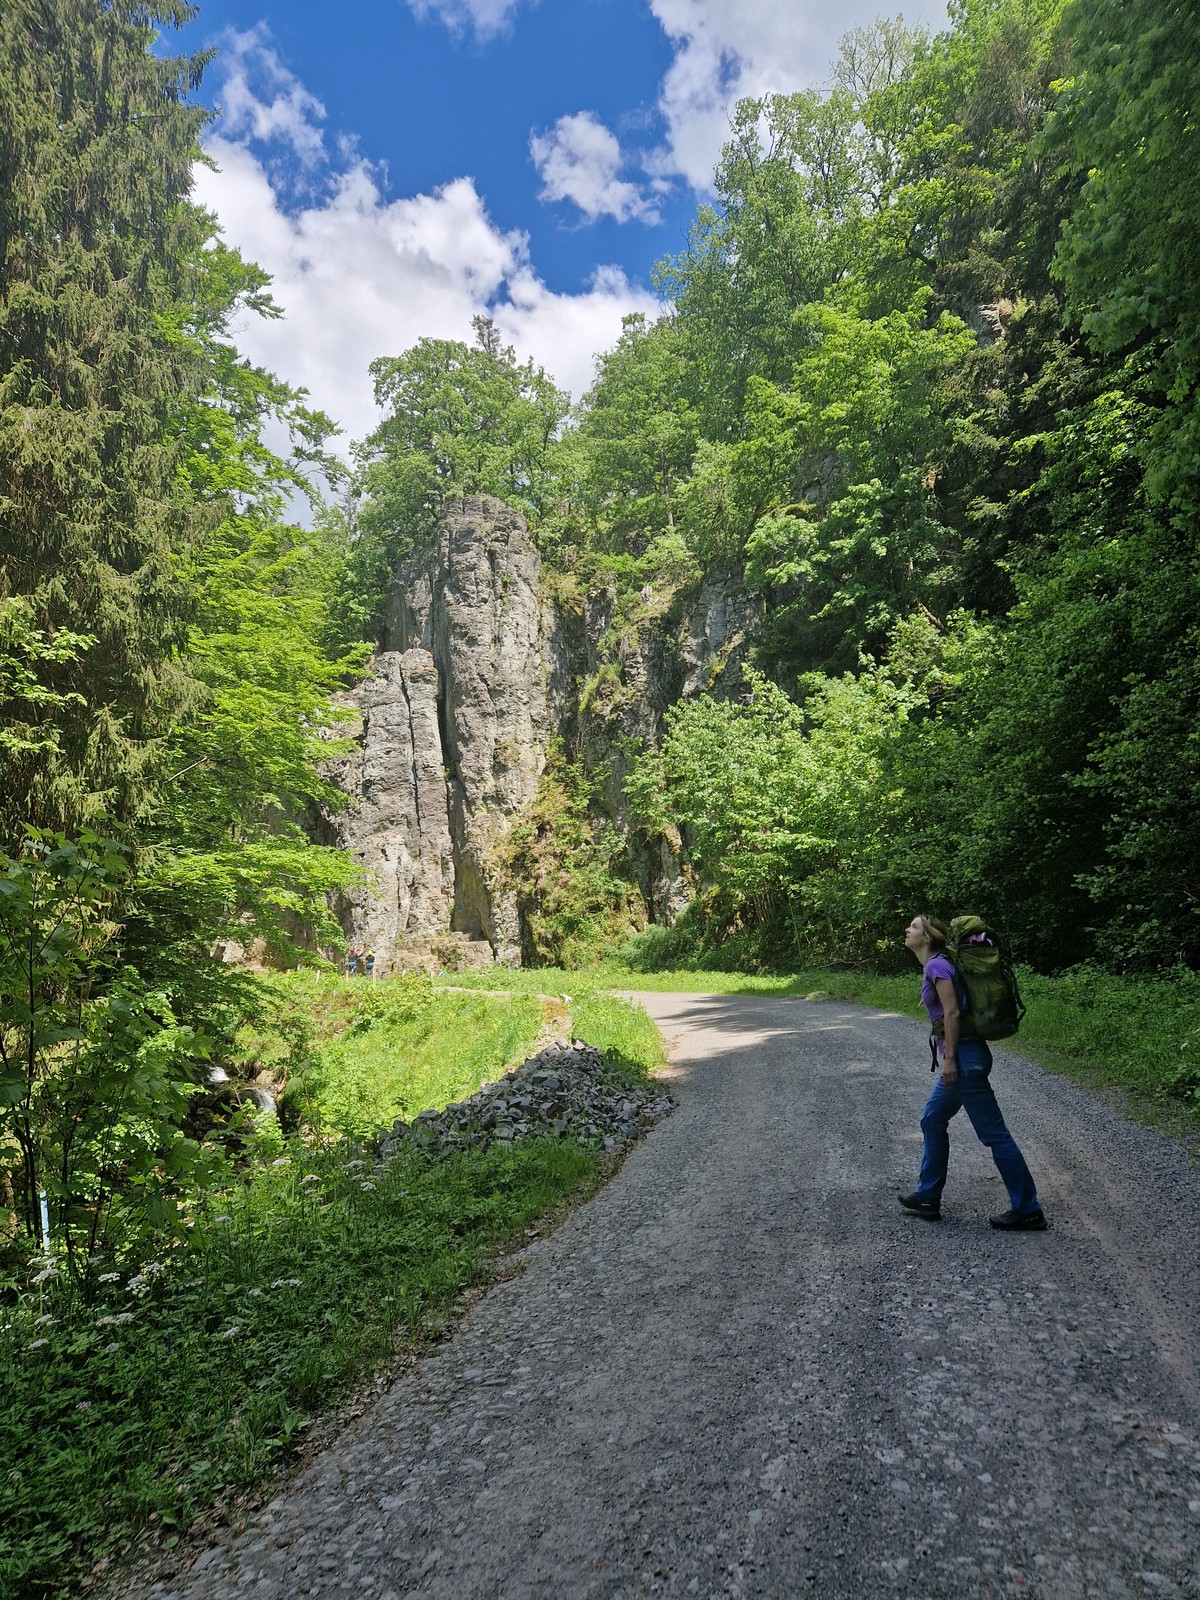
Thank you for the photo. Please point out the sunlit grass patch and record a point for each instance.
(589, 1010)
(361, 1054)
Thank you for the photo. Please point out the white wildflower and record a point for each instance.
(139, 1286)
(257, 1293)
(286, 1283)
(367, 1184)
(352, 1165)
(46, 1275)
(229, 1333)
(84, 1405)
(110, 1277)
(44, 1322)
(38, 1344)
(310, 1177)
(222, 1219)
(282, 1161)
(109, 1349)
(118, 1321)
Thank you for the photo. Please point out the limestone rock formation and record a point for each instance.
(478, 673)
(472, 602)
(454, 728)
(397, 821)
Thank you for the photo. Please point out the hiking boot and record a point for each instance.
(1020, 1222)
(931, 1210)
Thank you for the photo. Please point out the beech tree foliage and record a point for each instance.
(168, 639)
(461, 419)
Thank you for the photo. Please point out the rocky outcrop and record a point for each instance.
(397, 820)
(472, 603)
(717, 630)
(455, 718)
(454, 723)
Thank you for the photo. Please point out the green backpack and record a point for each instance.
(994, 1008)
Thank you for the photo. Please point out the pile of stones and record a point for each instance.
(566, 1091)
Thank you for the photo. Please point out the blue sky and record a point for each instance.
(400, 164)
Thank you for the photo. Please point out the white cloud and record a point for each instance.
(579, 160)
(724, 51)
(254, 71)
(360, 275)
(486, 17)
(727, 49)
(566, 332)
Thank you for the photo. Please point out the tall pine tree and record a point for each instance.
(97, 142)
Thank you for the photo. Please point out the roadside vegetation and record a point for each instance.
(155, 1389)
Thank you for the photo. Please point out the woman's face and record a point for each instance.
(916, 934)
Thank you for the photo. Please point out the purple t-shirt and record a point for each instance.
(940, 967)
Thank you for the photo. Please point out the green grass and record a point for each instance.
(1137, 1035)
(359, 1055)
(583, 1005)
(190, 1381)
(887, 993)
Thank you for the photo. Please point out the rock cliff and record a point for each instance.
(397, 821)
(480, 670)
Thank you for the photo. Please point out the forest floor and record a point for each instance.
(741, 1369)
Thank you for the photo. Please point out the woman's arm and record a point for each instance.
(948, 995)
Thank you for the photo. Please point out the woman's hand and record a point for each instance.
(948, 995)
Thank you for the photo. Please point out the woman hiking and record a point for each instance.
(964, 1083)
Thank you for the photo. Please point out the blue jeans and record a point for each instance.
(972, 1091)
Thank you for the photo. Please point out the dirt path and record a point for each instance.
(741, 1370)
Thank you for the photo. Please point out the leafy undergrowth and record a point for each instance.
(194, 1377)
(189, 1380)
(1139, 1034)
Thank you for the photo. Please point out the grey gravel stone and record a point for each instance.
(567, 1090)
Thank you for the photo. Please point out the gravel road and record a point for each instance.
(742, 1370)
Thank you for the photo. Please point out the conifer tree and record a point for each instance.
(97, 141)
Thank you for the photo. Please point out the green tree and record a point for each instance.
(1129, 253)
(226, 846)
(854, 535)
(791, 190)
(461, 420)
(95, 1073)
(636, 435)
(97, 140)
